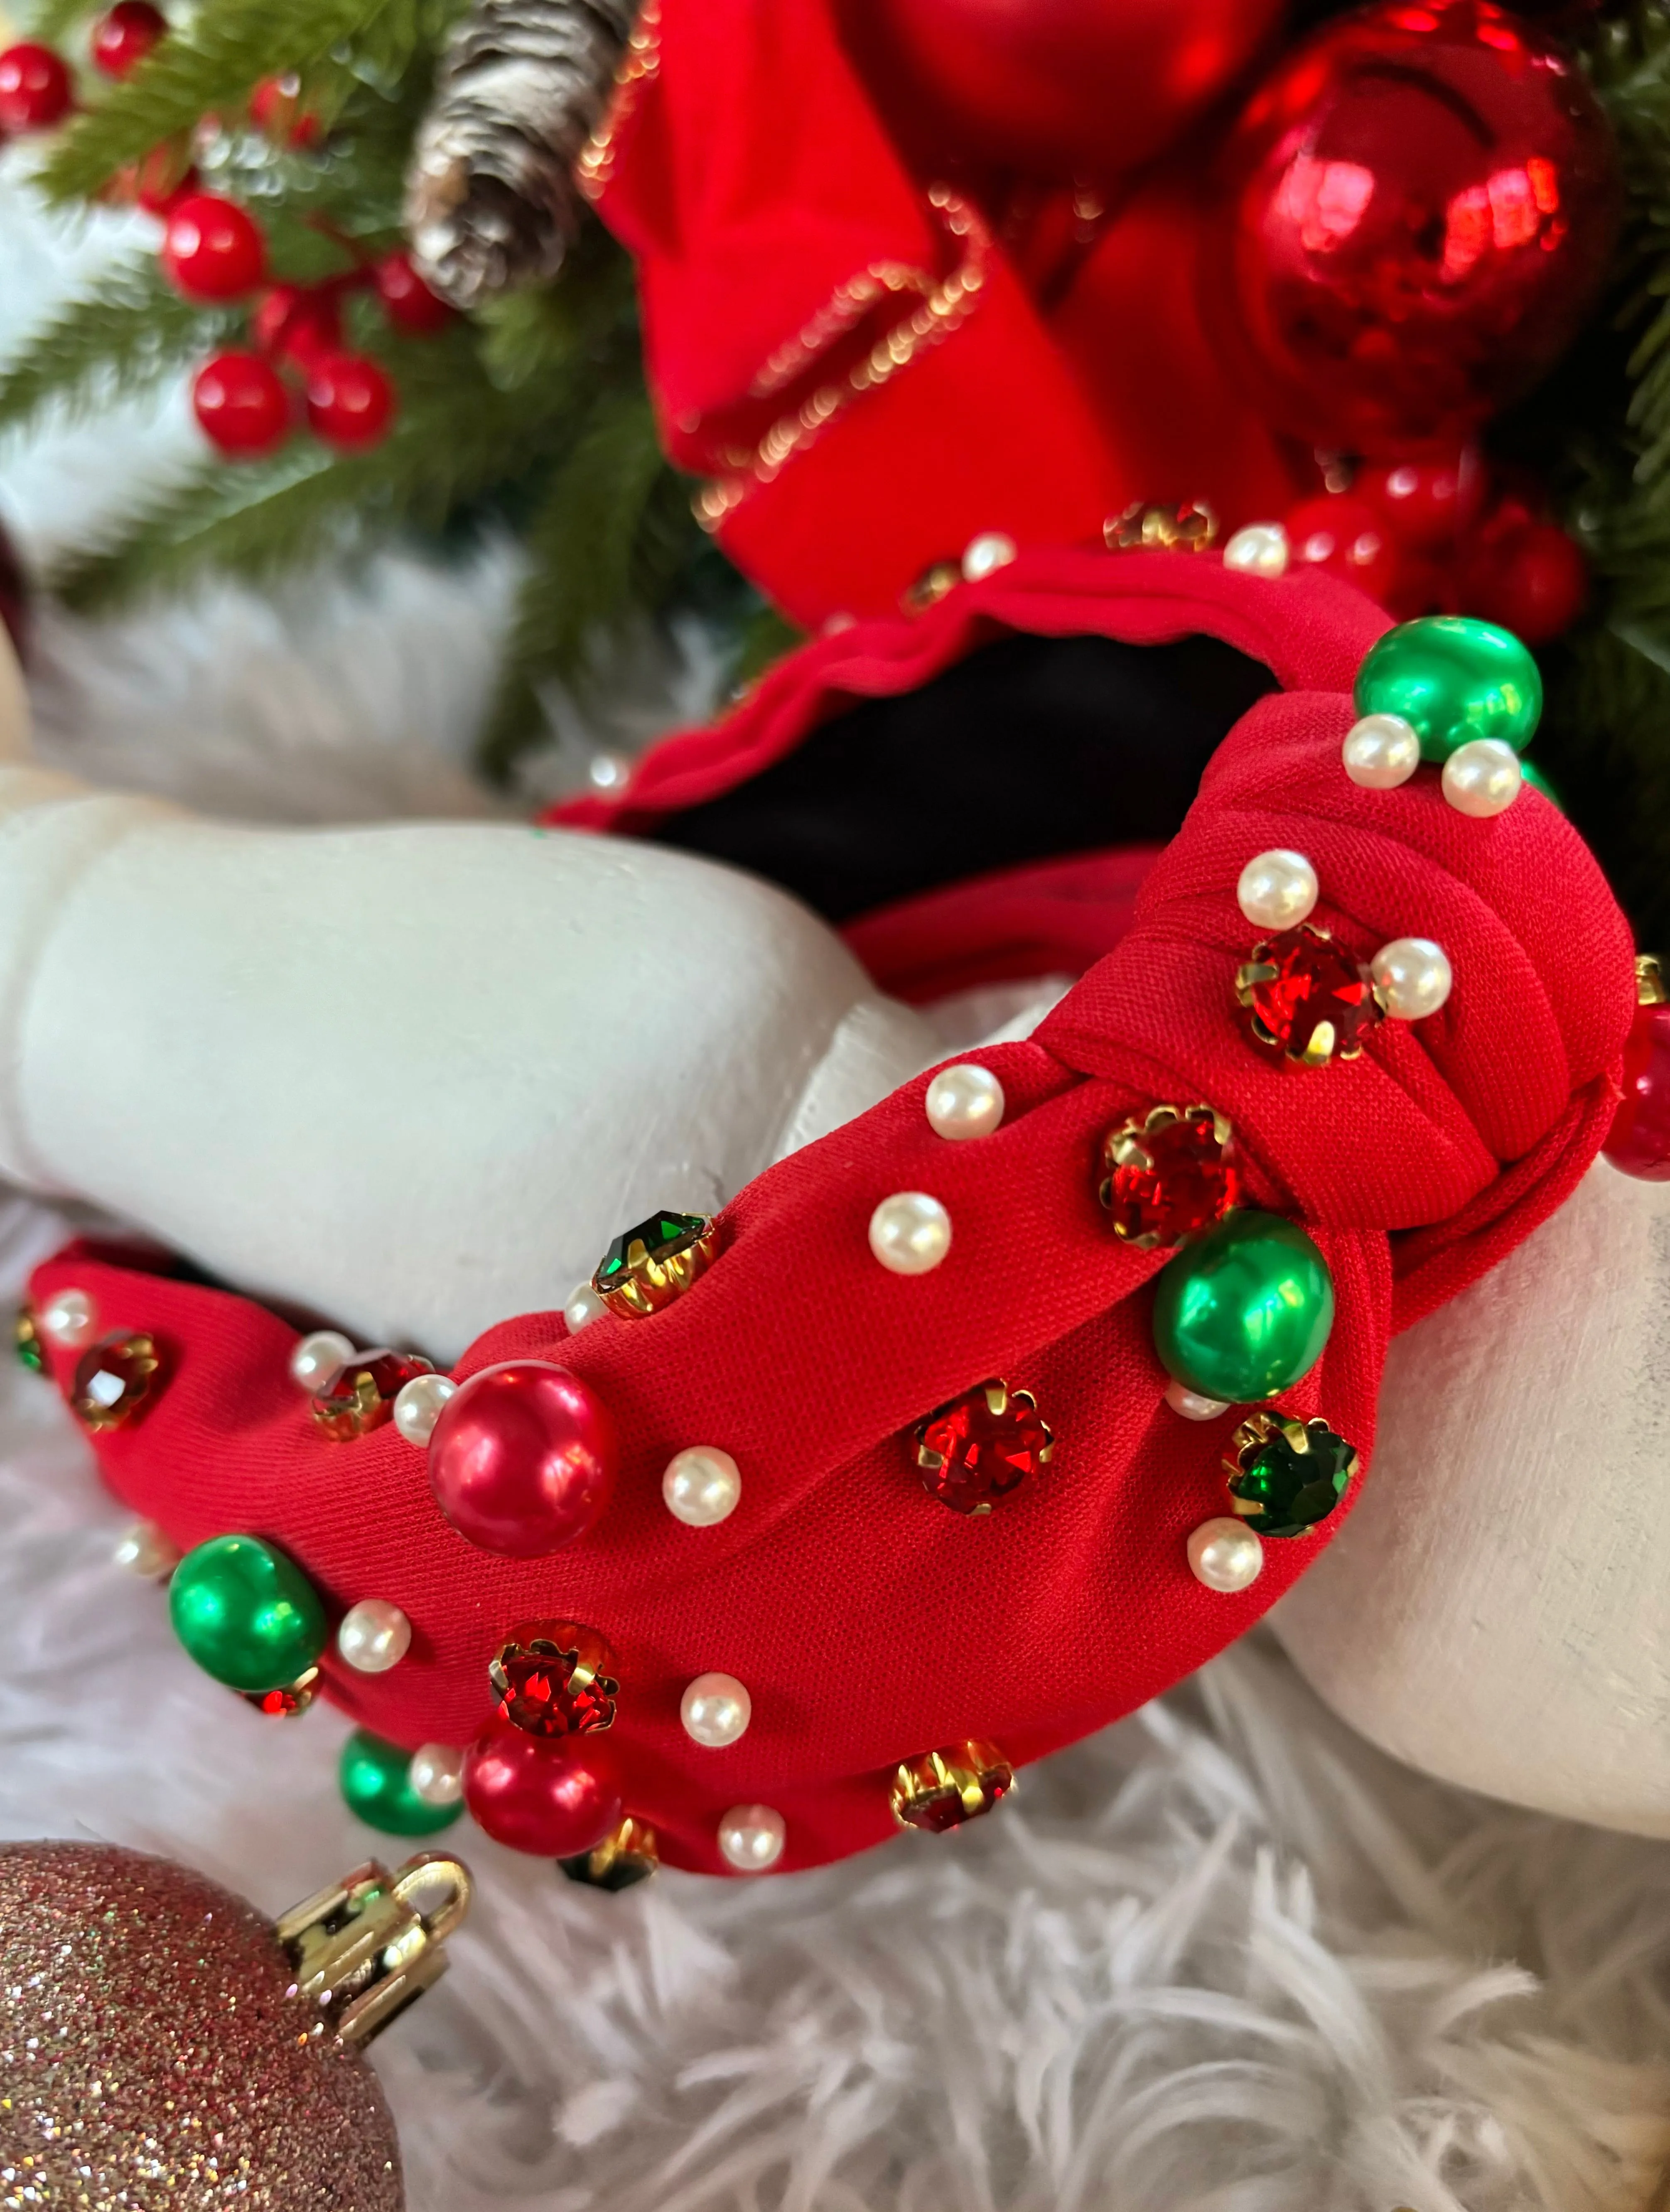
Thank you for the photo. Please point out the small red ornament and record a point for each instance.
(522, 1460)
(212, 249)
(241, 404)
(1638, 1141)
(1168, 1176)
(554, 1800)
(350, 402)
(275, 110)
(1053, 88)
(298, 323)
(1346, 537)
(978, 1450)
(1428, 501)
(407, 301)
(122, 38)
(1421, 207)
(555, 1678)
(1307, 998)
(113, 1380)
(34, 87)
(1525, 574)
(360, 1396)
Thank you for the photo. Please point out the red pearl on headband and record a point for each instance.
(552, 1798)
(523, 1459)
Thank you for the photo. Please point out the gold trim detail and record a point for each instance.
(1650, 990)
(941, 1789)
(628, 1854)
(1185, 526)
(639, 63)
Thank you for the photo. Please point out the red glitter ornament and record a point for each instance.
(350, 402)
(1421, 209)
(1638, 1141)
(122, 38)
(522, 1460)
(34, 87)
(978, 1450)
(212, 250)
(242, 405)
(1307, 998)
(1168, 1177)
(555, 1678)
(407, 301)
(1346, 537)
(554, 1800)
(360, 1396)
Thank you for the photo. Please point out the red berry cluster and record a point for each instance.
(1446, 534)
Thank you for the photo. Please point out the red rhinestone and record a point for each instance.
(977, 1451)
(285, 1703)
(945, 1789)
(360, 1396)
(555, 1679)
(1308, 998)
(1169, 1177)
(113, 1380)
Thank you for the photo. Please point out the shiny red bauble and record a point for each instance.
(1051, 88)
(554, 1796)
(407, 301)
(1347, 537)
(1427, 499)
(523, 1459)
(242, 405)
(1419, 208)
(1639, 1139)
(350, 402)
(34, 87)
(122, 38)
(1527, 576)
(294, 323)
(211, 249)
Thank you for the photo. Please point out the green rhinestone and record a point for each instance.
(1453, 678)
(659, 1238)
(1245, 1310)
(376, 1782)
(247, 1613)
(1287, 1475)
(26, 1342)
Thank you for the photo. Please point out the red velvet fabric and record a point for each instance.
(783, 250)
(869, 1623)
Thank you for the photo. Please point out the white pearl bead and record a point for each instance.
(752, 1837)
(716, 1711)
(607, 771)
(910, 1232)
(1381, 751)
(1225, 1555)
(419, 1404)
(1483, 778)
(1260, 549)
(436, 1773)
(984, 555)
(1411, 977)
(1278, 890)
(702, 1486)
(146, 1551)
(583, 1309)
(69, 1318)
(1192, 1405)
(965, 1101)
(374, 1637)
(318, 1357)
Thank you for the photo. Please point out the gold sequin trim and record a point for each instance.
(639, 63)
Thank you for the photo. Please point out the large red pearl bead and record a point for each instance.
(555, 1798)
(522, 1460)
(1638, 1141)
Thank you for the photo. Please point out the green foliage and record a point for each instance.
(128, 330)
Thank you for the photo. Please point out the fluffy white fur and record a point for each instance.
(1225, 1958)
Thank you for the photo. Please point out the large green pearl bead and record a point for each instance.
(1242, 1312)
(247, 1613)
(1451, 680)
(376, 1781)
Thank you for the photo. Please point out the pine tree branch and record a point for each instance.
(129, 330)
(53, 21)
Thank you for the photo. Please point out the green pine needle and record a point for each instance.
(129, 330)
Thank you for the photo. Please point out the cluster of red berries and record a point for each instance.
(298, 366)
(1449, 534)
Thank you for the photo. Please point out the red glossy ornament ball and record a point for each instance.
(291, 323)
(523, 1459)
(1419, 209)
(1427, 499)
(1639, 1139)
(407, 301)
(241, 404)
(350, 402)
(34, 87)
(1052, 87)
(554, 1796)
(1346, 537)
(1528, 576)
(122, 38)
(211, 249)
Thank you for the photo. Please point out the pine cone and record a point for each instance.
(490, 198)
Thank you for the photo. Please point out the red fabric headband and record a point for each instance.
(869, 1623)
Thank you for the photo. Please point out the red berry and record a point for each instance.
(351, 402)
(1347, 537)
(212, 250)
(243, 407)
(1428, 501)
(34, 89)
(409, 302)
(553, 1796)
(122, 38)
(1528, 576)
(275, 110)
(292, 323)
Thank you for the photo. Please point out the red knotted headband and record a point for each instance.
(869, 1623)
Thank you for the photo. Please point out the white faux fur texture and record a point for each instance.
(1223, 1958)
